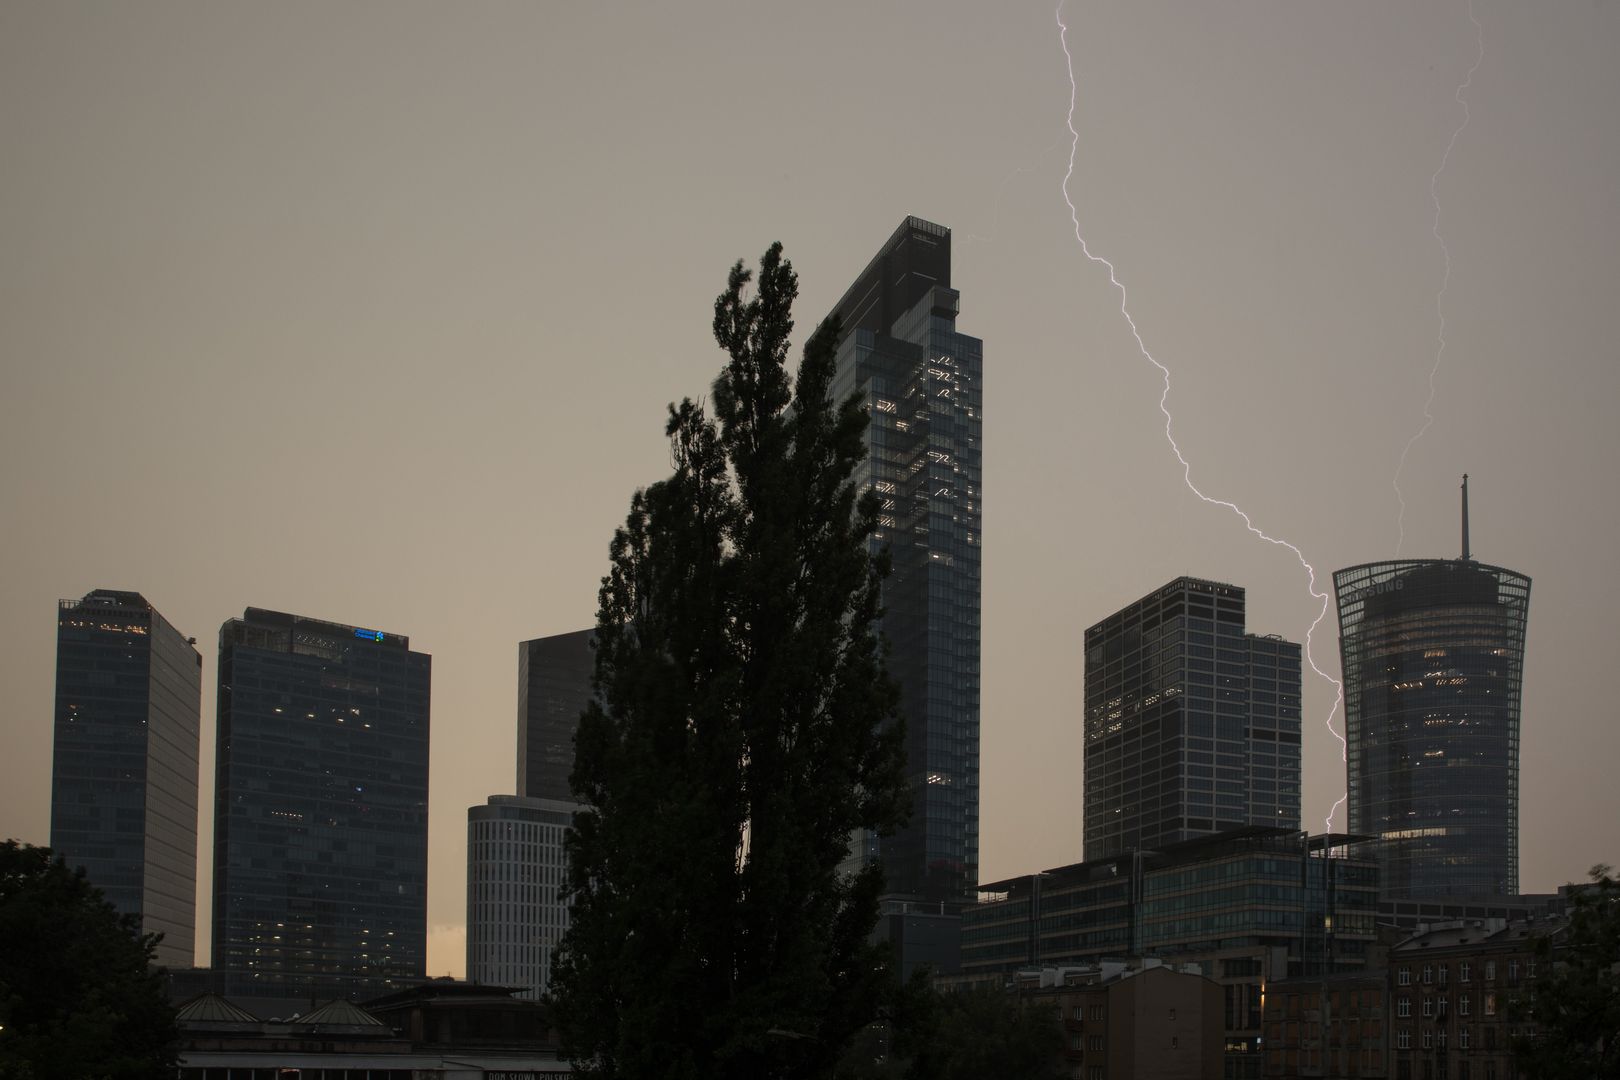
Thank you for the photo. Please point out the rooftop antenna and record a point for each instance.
(1465, 553)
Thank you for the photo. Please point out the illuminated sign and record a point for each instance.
(369, 635)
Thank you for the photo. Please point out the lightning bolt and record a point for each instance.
(1169, 421)
(1445, 281)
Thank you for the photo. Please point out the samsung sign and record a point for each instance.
(1380, 588)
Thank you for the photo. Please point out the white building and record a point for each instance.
(515, 878)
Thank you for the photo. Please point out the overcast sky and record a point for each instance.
(370, 312)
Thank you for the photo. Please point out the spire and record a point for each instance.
(1465, 553)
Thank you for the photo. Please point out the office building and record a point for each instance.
(1191, 725)
(1249, 907)
(922, 383)
(1433, 660)
(321, 810)
(554, 686)
(515, 878)
(124, 763)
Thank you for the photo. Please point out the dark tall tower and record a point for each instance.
(321, 809)
(554, 686)
(922, 384)
(124, 768)
(1192, 725)
(1433, 655)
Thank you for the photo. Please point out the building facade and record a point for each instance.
(321, 810)
(1192, 725)
(1433, 660)
(124, 761)
(516, 872)
(922, 383)
(554, 686)
(1328, 1027)
(1122, 1022)
(1457, 991)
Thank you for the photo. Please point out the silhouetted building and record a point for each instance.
(1122, 1022)
(516, 871)
(1330, 1027)
(922, 383)
(1191, 725)
(1433, 658)
(554, 686)
(124, 763)
(321, 811)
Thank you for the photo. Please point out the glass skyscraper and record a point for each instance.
(321, 809)
(554, 686)
(124, 767)
(1433, 655)
(922, 383)
(1192, 725)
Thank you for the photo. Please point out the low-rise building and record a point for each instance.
(1328, 1027)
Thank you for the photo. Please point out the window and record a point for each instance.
(1172, 1014)
(1440, 1038)
(1076, 1042)
(1403, 1007)
(1428, 1006)
(1445, 971)
(1490, 971)
(1464, 970)
(1464, 1004)
(1490, 1003)
(1490, 1070)
(1403, 1039)
(1530, 968)
(1093, 1042)
(1079, 1012)
(1428, 1039)
(1513, 971)
(1096, 1012)
(1463, 1040)
(1404, 977)
(1442, 1006)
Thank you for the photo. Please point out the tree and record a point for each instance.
(1575, 1003)
(976, 1034)
(745, 728)
(78, 997)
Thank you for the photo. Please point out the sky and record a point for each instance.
(371, 312)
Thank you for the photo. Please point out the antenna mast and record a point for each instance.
(1465, 553)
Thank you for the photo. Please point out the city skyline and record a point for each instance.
(403, 301)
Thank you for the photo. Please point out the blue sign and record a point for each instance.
(370, 635)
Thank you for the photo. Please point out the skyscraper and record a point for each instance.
(922, 382)
(515, 876)
(1192, 724)
(1433, 655)
(124, 767)
(321, 809)
(554, 686)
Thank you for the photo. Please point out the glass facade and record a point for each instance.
(124, 767)
(922, 383)
(321, 809)
(1192, 725)
(554, 686)
(1433, 656)
(515, 876)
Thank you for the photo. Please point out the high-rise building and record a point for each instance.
(554, 686)
(124, 768)
(922, 383)
(1191, 724)
(321, 809)
(515, 876)
(1433, 655)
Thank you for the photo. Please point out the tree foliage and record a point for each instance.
(744, 728)
(78, 997)
(978, 1034)
(1575, 1003)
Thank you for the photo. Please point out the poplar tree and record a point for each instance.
(744, 729)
